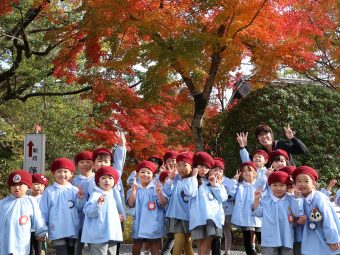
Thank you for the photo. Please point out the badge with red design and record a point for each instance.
(151, 205)
(23, 220)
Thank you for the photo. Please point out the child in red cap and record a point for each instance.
(206, 195)
(39, 183)
(149, 201)
(277, 211)
(321, 233)
(243, 194)
(102, 229)
(19, 214)
(60, 204)
(84, 164)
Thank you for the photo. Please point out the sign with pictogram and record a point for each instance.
(34, 153)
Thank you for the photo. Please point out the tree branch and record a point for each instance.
(24, 98)
(251, 21)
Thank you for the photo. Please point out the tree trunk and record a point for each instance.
(196, 124)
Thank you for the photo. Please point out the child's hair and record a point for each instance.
(157, 160)
(186, 157)
(102, 154)
(202, 159)
(247, 166)
(275, 156)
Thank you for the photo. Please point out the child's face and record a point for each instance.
(184, 169)
(278, 189)
(259, 160)
(19, 190)
(248, 174)
(305, 184)
(102, 161)
(278, 164)
(85, 166)
(37, 188)
(62, 176)
(170, 163)
(265, 138)
(145, 176)
(217, 171)
(202, 170)
(106, 182)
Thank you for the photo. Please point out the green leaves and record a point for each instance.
(312, 111)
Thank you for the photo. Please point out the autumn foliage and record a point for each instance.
(153, 64)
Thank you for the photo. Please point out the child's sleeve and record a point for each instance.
(119, 156)
(157, 198)
(190, 186)
(129, 180)
(45, 206)
(258, 212)
(79, 202)
(128, 194)
(337, 198)
(324, 191)
(168, 186)
(119, 202)
(92, 208)
(331, 224)
(297, 206)
(244, 154)
(38, 223)
(220, 193)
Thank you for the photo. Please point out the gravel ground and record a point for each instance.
(126, 250)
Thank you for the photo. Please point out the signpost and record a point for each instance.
(34, 153)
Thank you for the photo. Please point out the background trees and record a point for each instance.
(312, 111)
(191, 45)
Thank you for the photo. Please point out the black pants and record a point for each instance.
(36, 245)
(65, 246)
(247, 241)
(216, 246)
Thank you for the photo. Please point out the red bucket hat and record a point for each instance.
(40, 178)
(62, 163)
(20, 177)
(146, 164)
(203, 158)
(84, 155)
(106, 170)
(278, 176)
(306, 170)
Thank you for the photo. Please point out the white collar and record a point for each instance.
(83, 177)
(275, 198)
(55, 184)
(310, 197)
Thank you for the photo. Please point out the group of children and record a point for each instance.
(184, 196)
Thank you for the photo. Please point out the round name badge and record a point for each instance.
(16, 178)
(151, 206)
(23, 220)
(185, 198)
(70, 204)
(312, 225)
